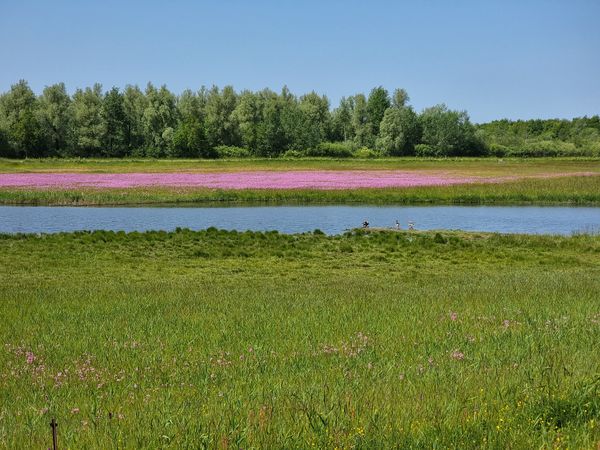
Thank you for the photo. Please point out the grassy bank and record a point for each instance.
(457, 166)
(224, 339)
(563, 190)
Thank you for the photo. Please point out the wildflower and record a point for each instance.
(453, 316)
(506, 323)
(30, 357)
(75, 411)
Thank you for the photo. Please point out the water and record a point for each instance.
(296, 219)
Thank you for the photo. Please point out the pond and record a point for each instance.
(331, 219)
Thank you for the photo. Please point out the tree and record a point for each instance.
(248, 114)
(315, 117)
(189, 106)
(18, 116)
(400, 98)
(449, 133)
(363, 132)
(88, 123)
(290, 118)
(400, 131)
(189, 140)
(159, 119)
(134, 105)
(271, 137)
(221, 126)
(114, 121)
(55, 117)
(342, 120)
(378, 102)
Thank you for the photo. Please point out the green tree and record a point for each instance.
(221, 125)
(249, 116)
(342, 129)
(272, 139)
(449, 133)
(159, 120)
(315, 121)
(363, 131)
(400, 98)
(55, 118)
(189, 140)
(114, 120)
(400, 131)
(88, 125)
(378, 102)
(18, 111)
(134, 105)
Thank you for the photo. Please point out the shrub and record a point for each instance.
(545, 148)
(292, 154)
(226, 151)
(366, 153)
(498, 150)
(331, 150)
(429, 151)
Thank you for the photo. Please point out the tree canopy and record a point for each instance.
(213, 122)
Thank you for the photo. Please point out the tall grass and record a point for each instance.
(467, 166)
(221, 339)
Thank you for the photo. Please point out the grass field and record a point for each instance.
(259, 340)
(533, 181)
(458, 166)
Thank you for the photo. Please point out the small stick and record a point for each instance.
(53, 425)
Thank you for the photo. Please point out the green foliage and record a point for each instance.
(19, 122)
(377, 104)
(55, 117)
(450, 133)
(366, 153)
(221, 126)
(189, 140)
(114, 120)
(400, 132)
(224, 151)
(87, 119)
(157, 123)
(159, 119)
(331, 150)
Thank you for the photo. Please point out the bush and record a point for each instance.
(225, 151)
(366, 153)
(428, 151)
(498, 150)
(331, 150)
(293, 154)
(545, 148)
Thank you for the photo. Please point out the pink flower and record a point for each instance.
(30, 357)
(453, 316)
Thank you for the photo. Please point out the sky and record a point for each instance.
(496, 59)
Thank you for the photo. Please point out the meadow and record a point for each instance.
(217, 339)
(460, 180)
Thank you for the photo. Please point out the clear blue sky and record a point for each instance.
(515, 59)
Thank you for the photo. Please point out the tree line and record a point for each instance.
(216, 122)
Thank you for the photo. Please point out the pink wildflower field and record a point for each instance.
(322, 179)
